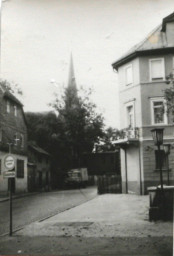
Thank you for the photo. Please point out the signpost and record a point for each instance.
(9, 163)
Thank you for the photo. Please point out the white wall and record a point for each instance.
(21, 183)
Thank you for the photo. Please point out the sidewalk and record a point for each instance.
(109, 215)
(6, 198)
(111, 224)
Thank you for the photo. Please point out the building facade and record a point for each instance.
(142, 80)
(38, 168)
(13, 140)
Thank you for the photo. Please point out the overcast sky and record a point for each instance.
(38, 36)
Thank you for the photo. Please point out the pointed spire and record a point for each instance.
(71, 78)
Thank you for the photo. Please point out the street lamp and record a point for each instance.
(166, 148)
(157, 135)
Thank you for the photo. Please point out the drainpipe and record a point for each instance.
(126, 170)
(141, 192)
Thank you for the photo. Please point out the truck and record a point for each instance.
(77, 177)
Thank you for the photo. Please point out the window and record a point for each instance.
(130, 116)
(1, 132)
(20, 168)
(39, 158)
(161, 159)
(22, 140)
(15, 110)
(0, 166)
(158, 111)
(47, 178)
(128, 75)
(16, 139)
(8, 106)
(156, 69)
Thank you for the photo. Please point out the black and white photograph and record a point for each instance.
(86, 127)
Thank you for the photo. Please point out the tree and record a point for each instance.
(10, 87)
(82, 125)
(41, 127)
(46, 130)
(169, 94)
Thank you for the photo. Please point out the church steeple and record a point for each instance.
(71, 78)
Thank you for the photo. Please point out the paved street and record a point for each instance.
(42, 205)
(110, 224)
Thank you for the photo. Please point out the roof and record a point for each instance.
(38, 149)
(154, 42)
(9, 95)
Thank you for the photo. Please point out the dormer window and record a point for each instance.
(156, 69)
(128, 75)
(8, 106)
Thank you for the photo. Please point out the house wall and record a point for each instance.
(122, 77)
(170, 33)
(11, 125)
(151, 175)
(133, 169)
(123, 170)
(151, 89)
(129, 94)
(42, 168)
(140, 93)
(130, 170)
(20, 183)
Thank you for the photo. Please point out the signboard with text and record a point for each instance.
(9, 174)
(9, 163)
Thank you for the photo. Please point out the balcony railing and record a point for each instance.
(129, 133)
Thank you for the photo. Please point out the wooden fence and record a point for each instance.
(109, 184)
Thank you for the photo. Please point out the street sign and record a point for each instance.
(9, 162)
(9, 174)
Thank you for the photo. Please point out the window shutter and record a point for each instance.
(20, 168)
(157, 69)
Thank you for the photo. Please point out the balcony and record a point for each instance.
(127, 136)
(129, 133)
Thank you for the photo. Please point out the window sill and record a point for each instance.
(159, 124)
(129, 84)
(157, 79)
(163, 170)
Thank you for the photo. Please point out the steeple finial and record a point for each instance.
(71, 78)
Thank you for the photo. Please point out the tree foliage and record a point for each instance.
(41, 126)
(11, 87)
(169, 96)
(70, 132)
(82, 125)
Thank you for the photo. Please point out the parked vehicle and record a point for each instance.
(77, 177)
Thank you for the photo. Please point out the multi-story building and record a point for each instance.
(13, 139)
(142, 80)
